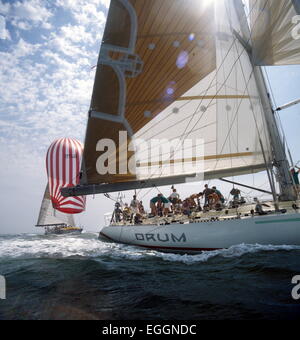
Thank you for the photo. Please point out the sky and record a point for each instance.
(47, 53)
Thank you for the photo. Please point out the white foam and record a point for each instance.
(90, 247)
(232, 252)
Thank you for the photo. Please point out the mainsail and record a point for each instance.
(49, 216)
(176, 73)
(143, 68)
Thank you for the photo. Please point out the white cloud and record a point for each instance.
(86, 12)
(4, 7)
(23, 25)
(46, 86)
(4, 34)
(32, 10)
(77, 4)
(27, 14)
(77, 34)
(47, 25)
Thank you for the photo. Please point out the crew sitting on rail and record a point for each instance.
(160, 205)
(259, 207)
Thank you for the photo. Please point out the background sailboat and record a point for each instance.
(54, 221)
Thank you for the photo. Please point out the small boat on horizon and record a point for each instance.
(53, 221)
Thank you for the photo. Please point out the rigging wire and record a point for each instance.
(247, 83)
(224, 84)
(278, 115)
(223, 61)
(246, 89)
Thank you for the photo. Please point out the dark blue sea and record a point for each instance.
(80, 277)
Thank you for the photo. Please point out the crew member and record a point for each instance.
(221, 197)
(207, 191)
(295, 175)
(174, 198)
(160, 202)
(134, 205)
(214, 200)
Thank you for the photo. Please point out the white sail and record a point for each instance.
(191, 86)
(49, 216)
(275, 31)
(224, 110)
(153, 52)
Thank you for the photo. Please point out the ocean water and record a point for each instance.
(80, 277)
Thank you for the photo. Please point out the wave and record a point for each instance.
(88, 246)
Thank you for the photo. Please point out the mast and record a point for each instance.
(287, 192)
(280, 161)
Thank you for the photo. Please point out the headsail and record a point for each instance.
(223, 109)
(49, 216)
(275, 31)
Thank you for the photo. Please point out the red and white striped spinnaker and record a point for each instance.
(63, 168)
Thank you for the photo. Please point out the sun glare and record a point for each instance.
(207, 3)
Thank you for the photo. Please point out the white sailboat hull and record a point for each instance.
(205, 236)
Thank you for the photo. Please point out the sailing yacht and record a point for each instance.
(180, 96)
(53, 221)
